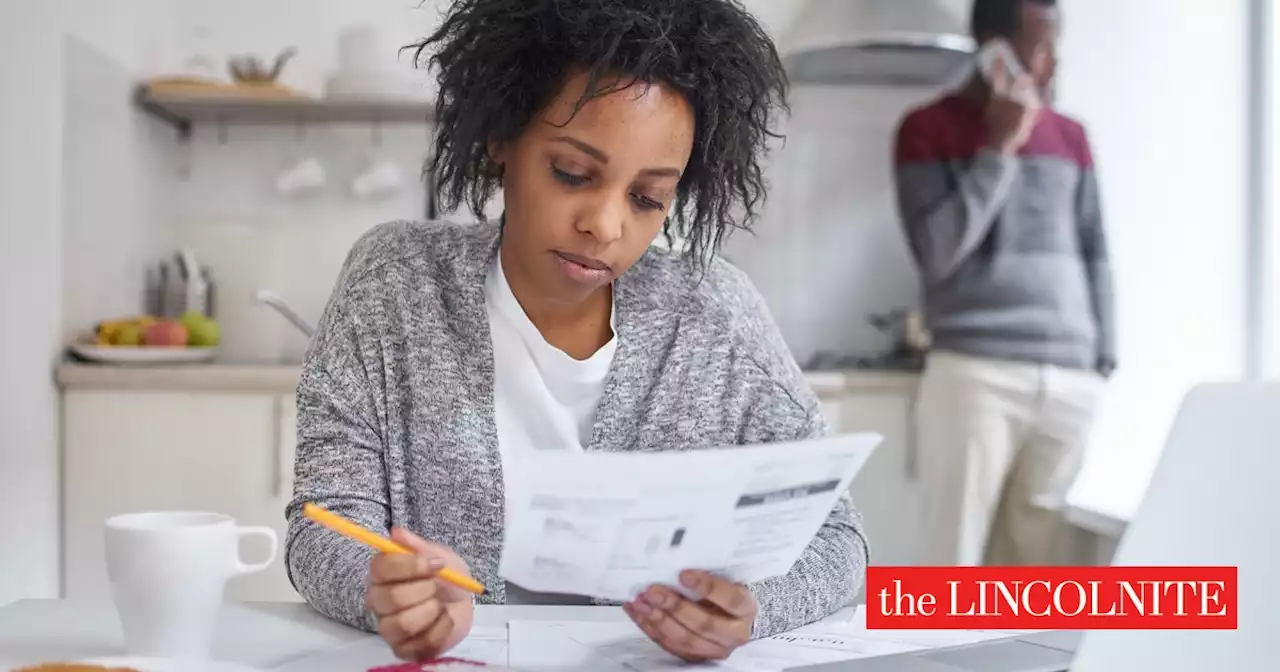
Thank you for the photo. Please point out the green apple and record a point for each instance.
(203, 333)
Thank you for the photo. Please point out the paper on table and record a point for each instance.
(483, 645)
(621, 646)
(536, 646)
(610, 525)
(919, 639)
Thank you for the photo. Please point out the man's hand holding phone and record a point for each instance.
(1012, 109)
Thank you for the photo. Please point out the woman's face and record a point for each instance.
(584, 199)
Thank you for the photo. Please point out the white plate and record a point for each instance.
(142, 354)
(170, 665)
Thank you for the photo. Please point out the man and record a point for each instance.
(1000, 207)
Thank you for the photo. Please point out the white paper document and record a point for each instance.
(610, 525)
(634, 652)
(562, 646)
(622, 647)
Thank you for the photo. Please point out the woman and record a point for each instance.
(450, 353)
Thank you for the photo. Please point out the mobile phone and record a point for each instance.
(997, 53)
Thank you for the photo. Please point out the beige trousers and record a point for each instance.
(1000, 444)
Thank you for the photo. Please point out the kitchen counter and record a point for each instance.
(840, 382)
(283, 378)
(259, 378)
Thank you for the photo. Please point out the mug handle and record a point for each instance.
(242, 567)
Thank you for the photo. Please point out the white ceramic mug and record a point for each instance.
(304, 177)
(168, 572)
(379, 179)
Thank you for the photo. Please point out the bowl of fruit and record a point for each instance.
(149, 339)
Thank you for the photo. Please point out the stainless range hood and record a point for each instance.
(919, 43)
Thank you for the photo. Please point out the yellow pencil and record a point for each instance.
(378, 542)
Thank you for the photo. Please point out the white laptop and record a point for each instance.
(1213, 500)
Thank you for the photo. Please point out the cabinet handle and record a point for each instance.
(277, 445)
(912, 457)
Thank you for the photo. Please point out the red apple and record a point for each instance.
(166, 333)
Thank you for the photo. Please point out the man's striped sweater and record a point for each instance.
(1010, 249)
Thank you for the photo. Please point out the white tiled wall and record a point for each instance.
(117, 196)
(30, 288)
(827, 251)
(299, 243)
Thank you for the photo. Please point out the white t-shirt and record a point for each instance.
(543, 399)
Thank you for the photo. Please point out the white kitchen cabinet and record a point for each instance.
(887, 490)
(128, 451)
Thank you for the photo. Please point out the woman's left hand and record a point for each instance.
(709, 627)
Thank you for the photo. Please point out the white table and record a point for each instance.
(264, 635)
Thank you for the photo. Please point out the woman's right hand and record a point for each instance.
(418, 614)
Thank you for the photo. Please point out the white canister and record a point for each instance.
(362, 49)
(369, 68)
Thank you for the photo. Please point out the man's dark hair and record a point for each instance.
(499, 62)
(1000, 18)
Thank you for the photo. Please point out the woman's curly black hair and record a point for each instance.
(499, 62)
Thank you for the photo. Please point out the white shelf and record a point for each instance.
(185, 110)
